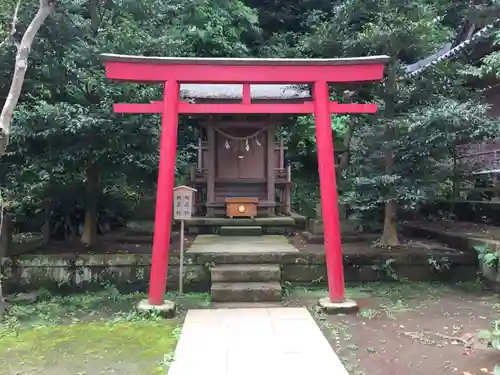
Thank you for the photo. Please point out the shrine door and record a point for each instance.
(241, 159)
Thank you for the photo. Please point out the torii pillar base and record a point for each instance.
(347, 306)
(165, 310)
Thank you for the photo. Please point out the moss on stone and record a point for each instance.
(138, 347)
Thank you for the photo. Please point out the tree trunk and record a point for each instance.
(21, 64)
(455, 194)
(94, 16)
(2, 300)
(5, 243)
(89, 234)
(47, 222)
(454, 151)
(389, 236)
(5, 236)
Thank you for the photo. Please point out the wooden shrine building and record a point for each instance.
(241, 169)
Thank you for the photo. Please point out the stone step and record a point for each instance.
(246, 273)
(246, 305)
(240, 231)
(246, 292)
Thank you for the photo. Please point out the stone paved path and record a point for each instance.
(253, 341)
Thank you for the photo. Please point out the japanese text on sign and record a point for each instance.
(183, 203)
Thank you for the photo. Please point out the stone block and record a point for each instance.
(140, 227)
(319, 213)
(166, 309)
(342, 211)
(304, 273)
(344, 307)
(193, 230)
(277, 230)
(246, 292)
(315, 226)
(240, 231)
(300, 220)
(348, 228)
(246, 273)
(313, 238)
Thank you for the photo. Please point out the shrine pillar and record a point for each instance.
(164, 197)
(328, 189)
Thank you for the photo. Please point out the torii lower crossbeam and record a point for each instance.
(172, 71)
(277, 108)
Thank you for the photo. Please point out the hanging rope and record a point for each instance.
(233, 138)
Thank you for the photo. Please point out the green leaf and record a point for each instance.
(484, 335)
(481, 248)
(495, 343)
(490, 259)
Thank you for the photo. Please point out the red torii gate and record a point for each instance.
(171, 72)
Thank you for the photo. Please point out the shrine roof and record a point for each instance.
(243, 61)
(448, 51)
(235, 91)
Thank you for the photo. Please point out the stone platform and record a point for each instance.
(213, 244)
(64, 267)
(284, 225)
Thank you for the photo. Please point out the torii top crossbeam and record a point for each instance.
(241, 70)
(171, 72)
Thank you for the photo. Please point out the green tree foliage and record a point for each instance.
(70, 154)
(69, 150)
(383, 147)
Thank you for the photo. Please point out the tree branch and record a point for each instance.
(23, 51)
(13, 26)
(21, 64)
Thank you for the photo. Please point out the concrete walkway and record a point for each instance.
(253, 341)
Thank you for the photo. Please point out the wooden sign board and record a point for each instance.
(183, 202)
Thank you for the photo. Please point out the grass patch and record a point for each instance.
(90, 333)
(108, 304)
(125, 347)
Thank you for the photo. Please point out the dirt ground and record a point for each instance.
(111, 244)
(412, 329)
(491, 232)
(365, 245)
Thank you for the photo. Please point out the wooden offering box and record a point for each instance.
(241, 207)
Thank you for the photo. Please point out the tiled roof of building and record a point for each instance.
(447, 51)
